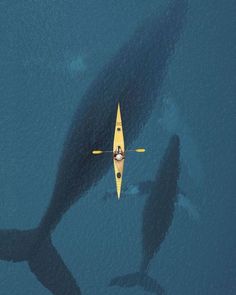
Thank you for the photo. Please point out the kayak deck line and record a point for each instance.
(118, 144)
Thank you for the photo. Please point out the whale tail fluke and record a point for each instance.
(45, 263)
(138, 279)
(15, 245)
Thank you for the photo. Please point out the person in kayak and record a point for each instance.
(119, 154)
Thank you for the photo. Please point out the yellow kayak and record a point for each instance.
(118, 152)
(118, 148)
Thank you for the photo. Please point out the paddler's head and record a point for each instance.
(119, 157)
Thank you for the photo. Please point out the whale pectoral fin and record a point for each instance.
(52, 272)
(109, 195)
(187, 205)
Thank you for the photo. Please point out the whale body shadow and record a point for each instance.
(133, 78)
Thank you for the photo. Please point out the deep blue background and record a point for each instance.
(49, 53)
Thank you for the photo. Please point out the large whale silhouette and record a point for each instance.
(158, 214)
(133, 78)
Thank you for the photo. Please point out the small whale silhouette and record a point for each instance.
(158, 214)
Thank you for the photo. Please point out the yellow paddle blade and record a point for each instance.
(97, 152)
(140, 150)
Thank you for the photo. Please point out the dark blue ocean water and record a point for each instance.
(49, 53)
